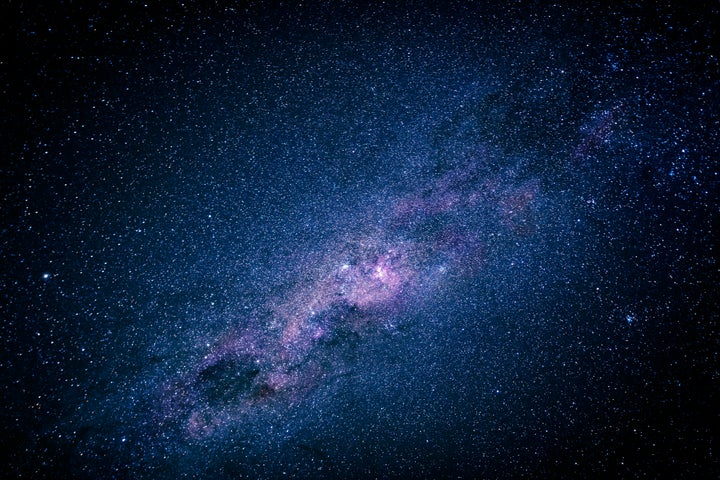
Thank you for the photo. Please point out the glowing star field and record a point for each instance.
(363, 286)
(342, 240)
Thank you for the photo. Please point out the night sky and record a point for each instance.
(334, 240)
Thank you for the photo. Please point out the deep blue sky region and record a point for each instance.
(359, 240)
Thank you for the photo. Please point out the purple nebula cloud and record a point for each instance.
(358, 286)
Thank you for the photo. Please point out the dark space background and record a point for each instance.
(332, 240)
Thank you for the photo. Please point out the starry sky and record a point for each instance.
(341, 240)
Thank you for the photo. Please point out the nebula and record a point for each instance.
(402, 257)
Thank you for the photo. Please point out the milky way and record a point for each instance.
(333, 240)
(362, 284)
